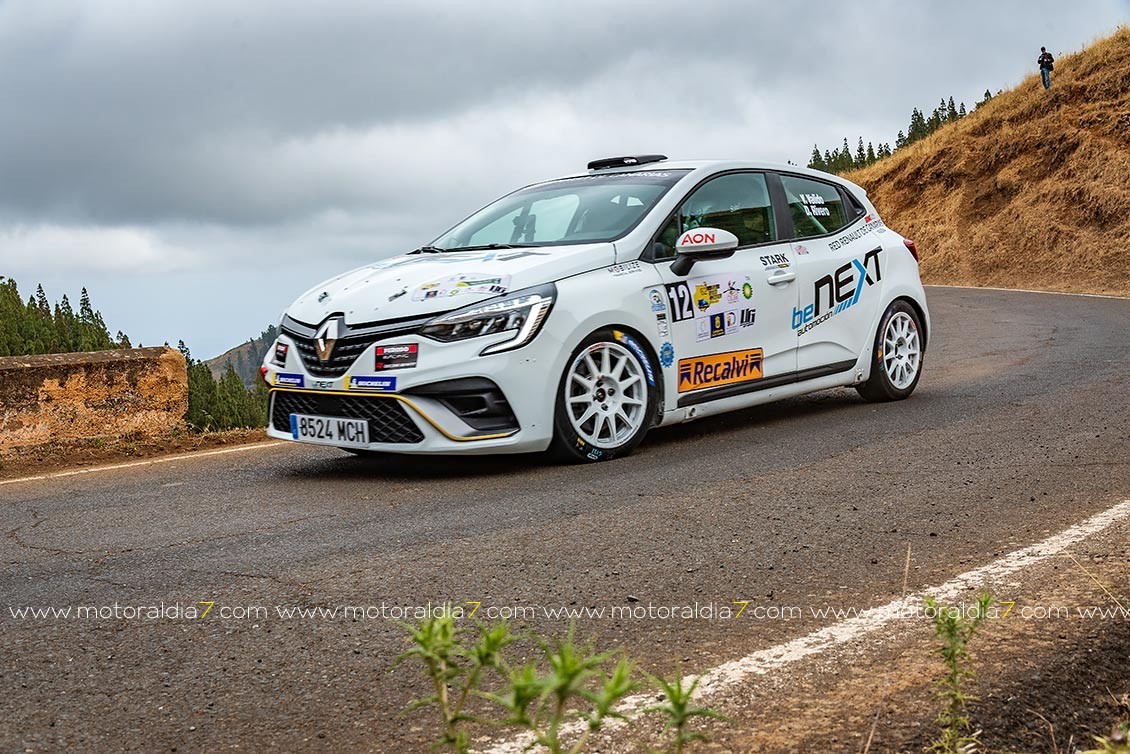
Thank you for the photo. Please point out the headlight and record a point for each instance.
(521, 313)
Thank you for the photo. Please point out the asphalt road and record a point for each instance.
(1018, 429)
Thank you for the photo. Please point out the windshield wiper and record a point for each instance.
(428, 250)
(495, 246)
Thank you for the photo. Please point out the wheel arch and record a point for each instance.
(657, 366)
(917, 307)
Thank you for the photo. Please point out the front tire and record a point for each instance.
(896, 359)
(606, 398)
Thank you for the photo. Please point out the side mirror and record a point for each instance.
(702, 243)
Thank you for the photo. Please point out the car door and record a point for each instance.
(839, 267)
(730, 318)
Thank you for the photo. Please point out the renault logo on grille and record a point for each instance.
(326, 338)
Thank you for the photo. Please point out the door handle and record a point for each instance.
(781, 277)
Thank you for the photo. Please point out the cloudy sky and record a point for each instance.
(198, 164)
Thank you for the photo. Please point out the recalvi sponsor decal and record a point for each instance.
(718, 369)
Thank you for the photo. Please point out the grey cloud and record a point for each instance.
(323, 134)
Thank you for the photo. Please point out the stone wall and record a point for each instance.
(83, 395)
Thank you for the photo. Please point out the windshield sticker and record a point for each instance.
(651, 176)
(462, 284)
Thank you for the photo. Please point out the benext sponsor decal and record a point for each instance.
(372, 383)
(718, 369)
(844, 287)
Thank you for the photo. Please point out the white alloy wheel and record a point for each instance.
(902, 351)
(606, 395)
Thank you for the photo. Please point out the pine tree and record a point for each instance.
(860, 154)
(845, 158)
(11, 314)
(918, 128)
(951, 111)
(900, 140)
(961, 111)
(870, 154)
(41, 302)
(816, 162)
(33, 327)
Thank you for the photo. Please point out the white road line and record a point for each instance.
(729, 674)
(147, 462)
(1029, 290)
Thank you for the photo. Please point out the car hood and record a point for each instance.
(412, 285)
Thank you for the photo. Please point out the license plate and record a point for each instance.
(330, 430)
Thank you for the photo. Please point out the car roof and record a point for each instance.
(716, 166)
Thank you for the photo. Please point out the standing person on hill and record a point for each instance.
(1047, 64)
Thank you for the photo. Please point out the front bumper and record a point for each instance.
(409, 415)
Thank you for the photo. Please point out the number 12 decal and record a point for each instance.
(682, 306)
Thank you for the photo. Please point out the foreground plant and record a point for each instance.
(955, 630)
(1118, 742)
(455, 670)
(541, 703)
(571, 684)
(679, 710)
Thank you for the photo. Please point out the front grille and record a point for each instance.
(345, 352)
(351, 343)
(388, 421)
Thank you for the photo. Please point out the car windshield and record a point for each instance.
(586, 209)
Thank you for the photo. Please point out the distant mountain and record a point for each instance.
(245, 358)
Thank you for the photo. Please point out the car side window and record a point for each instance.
(738, 202)
(816, 207)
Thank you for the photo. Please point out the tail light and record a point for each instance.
(911, 248)
(263, 375)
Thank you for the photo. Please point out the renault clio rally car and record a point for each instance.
(578, 313)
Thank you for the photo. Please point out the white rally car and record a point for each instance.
(578, 313)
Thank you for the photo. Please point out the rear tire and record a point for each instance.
(606, 398)
(897, 355)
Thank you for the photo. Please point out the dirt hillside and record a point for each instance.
(1031, 190)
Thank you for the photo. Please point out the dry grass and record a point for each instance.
(1031, 190)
